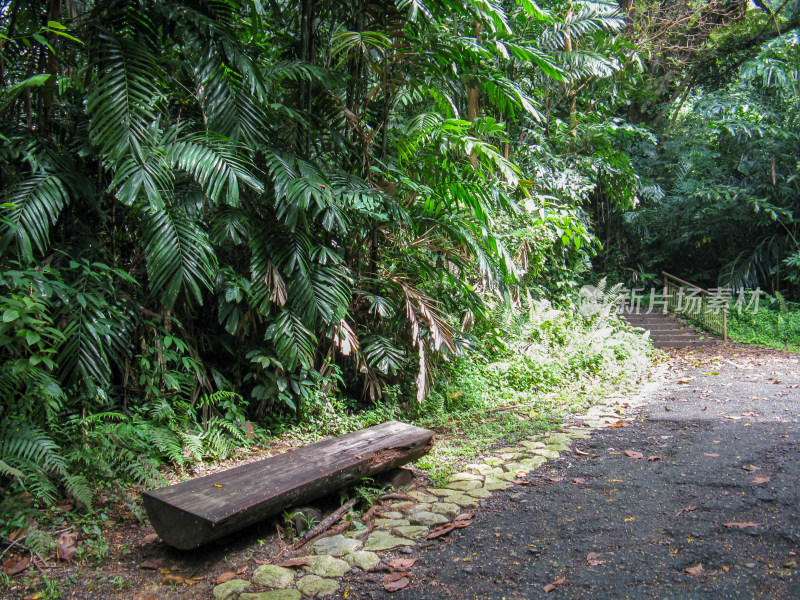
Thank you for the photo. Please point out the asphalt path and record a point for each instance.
(709, 510)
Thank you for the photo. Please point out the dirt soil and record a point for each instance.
(710, 510)
(698, 498)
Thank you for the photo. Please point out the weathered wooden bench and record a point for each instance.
(191, 513)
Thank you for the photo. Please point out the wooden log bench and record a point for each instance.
(191, 513)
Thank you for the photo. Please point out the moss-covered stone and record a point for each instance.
(381, 540)
(429, 519)
(230, 590)
(448, 509)
(325, 566)
(464, 485)
(362, 559)
(317, 587)
(273, 595)
(273, 576)
(335, 545)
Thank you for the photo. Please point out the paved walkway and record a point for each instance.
(696, 498)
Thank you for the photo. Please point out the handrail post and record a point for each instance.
(724, 323)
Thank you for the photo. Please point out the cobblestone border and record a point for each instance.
(404, 524)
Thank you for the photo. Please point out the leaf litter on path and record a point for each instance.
(395, 581)
(556, 583)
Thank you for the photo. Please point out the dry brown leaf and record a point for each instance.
(66, 545)
(393, 583)
(685, 510)
(402, 563)
(695, 570)
(464, 517)
(619, 423)
(227, 576)
(593, 559)
(581, 452)
(740, 524)
(241, 570)
(552, 586)
(634, 454)
(578, 480)
(758, 479)
(555, 479)
(711, 454)
(172, 579)
(653, 458)
(149, 538)
(153, 564)
(16, 564)
(440, 531)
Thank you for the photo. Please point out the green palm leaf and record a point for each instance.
(121, 105)
(216, 164)
(34, 206)
(178, 252)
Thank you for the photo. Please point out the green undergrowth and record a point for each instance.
(529, 369)
(776, 324)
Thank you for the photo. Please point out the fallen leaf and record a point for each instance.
(751, 468)
(711, 454)
(619, 423)
(66, 545)
(712, 373)
(578, 480)
(555, 479)
(295, 562)
(653, 458)
(521, 474)
(695, 570)
(552, 586)
(581, 452)
(685, 510)
(634, 454)
(461, 524)
(758, 479)
(392, 583)
(149, 538)
(153, 564)
(241, 570)
(593, 559)
(227, 576)
(16, 564)
(440, 531)
(172, 579)
(402, 563)
(464, 517)
(740, 525)
(193, 581)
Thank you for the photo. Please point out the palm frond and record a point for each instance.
(34, 206)
(178, 252)
(121, 105)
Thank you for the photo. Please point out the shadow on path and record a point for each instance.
(721, 490)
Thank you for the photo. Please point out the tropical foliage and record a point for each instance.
(216, 216)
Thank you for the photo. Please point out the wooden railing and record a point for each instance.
(696, 304)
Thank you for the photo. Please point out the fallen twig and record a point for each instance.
(325, 524)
